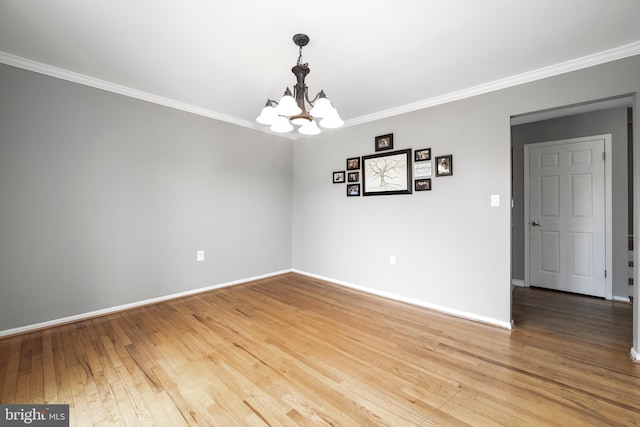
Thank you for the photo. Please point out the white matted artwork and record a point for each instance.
(387, 173)
(423, 170)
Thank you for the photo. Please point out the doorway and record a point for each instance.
(567, 198)
(611, 116)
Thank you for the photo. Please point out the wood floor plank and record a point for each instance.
(50, 387)
(294, 350)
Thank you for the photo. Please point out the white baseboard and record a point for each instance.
(622, 299)
(635, 355)
(518, 282)
(111, 310)
(412, 301)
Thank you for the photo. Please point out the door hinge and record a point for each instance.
(605, 274)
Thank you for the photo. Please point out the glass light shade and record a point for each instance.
(321, 108)
(267, 116)
(281, 125)
(332, 120)
(310, 128)
(287, 105)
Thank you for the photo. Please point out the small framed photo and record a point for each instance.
(422, 154)
(353, 176)
(353, 163)
(384, 142)
(353, 190)
(444, 165)
(423, 184)
(338, 177)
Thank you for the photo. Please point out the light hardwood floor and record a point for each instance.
(292, 350)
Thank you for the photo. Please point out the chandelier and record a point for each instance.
(292, 110)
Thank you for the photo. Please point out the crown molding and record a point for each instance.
(60, 73)
(586, 107)
(614, 54)
(610, 55)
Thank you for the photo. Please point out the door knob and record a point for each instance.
(536, 224)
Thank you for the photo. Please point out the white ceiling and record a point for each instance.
(373, 58)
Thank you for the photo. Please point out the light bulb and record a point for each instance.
(268, 115)
(321, 107)
(287, 105)
(281, 125)
(310, 128)
(332, 120)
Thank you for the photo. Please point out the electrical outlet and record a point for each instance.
(495, 200)
(200, 255)
(392, 259)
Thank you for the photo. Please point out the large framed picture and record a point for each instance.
(444, 165)
(387, 173)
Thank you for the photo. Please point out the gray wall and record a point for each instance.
(105, 199)
(447, 242)
(452, 248)
(611, 121)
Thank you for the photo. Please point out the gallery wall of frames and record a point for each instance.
(390, 171)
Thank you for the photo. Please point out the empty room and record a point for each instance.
(345, 213)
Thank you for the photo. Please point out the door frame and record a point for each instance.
(608, 213)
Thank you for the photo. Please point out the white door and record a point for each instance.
(566, 220)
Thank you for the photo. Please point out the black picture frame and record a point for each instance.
(384, 142)
(353, 190)
(353, 176)
(338, 177)
(422, 184)
(444, 165)
(387, 173)
(422, 155)
(353, 163)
